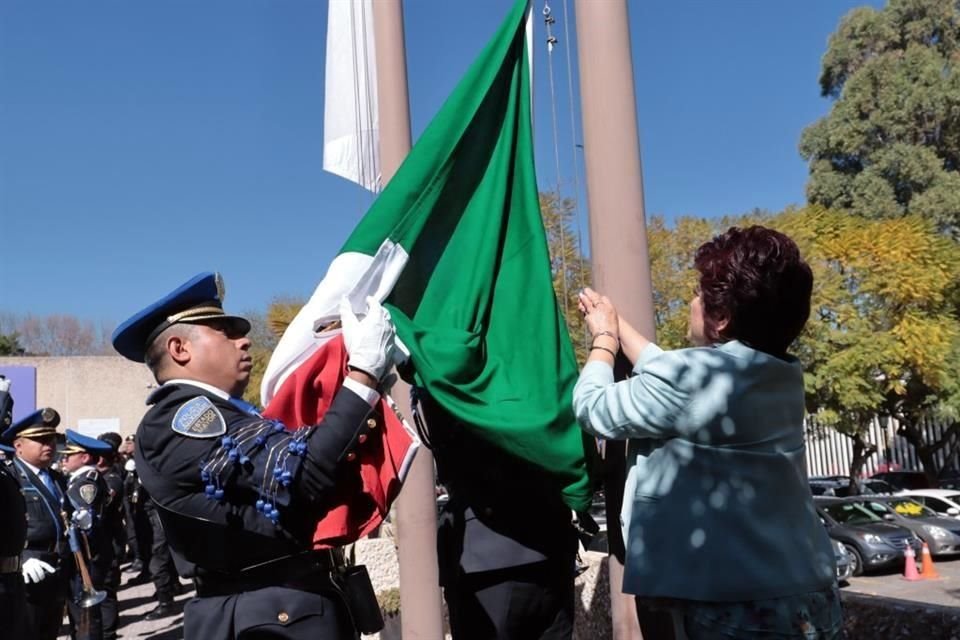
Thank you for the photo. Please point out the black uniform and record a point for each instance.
(506, 544)
(46, 541)
(239, 498)
(137, 522)
(13, 536)
(87, 491)
(114, 526)
(161, 567)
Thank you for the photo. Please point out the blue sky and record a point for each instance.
(143, 142)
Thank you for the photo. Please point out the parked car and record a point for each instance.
(942, 535)
(844, 561)
(945, 502)
(873, 542)
(949, 482)
(905, 479)
(839, 486)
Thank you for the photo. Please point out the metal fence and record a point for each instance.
(830, 453)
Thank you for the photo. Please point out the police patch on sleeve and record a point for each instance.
(88, 493)
(199, 418)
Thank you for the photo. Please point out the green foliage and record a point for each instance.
(265, 332)
(570, 269)
(882, 337)
(10, 345)
(891, 144)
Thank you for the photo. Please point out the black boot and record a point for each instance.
(162, 610)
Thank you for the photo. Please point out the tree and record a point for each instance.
(10, 345)
(59, 335)
(881, 338)
(890, 145)
(570, 269)
(265, 332)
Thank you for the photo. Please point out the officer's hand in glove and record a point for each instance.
(370, 341)
(83, 519)
(34, 570)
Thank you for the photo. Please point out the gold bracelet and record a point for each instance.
(605, 333)
(604, 349)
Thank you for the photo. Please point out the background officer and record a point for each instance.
(89, 495)
(506, 544)
(239, 496)
(13, 532)
(109, 468)
(46, 565)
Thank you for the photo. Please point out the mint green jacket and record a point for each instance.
(716, 505)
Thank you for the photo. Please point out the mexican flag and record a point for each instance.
(455, 248)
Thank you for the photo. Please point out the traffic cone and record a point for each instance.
(910, 564)
(928, 571)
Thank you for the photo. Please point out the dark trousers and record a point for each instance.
(268, 613)
(529, 602)
(44, 610)
(162, 570)
(13, 602)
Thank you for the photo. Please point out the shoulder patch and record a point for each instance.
(199, 418)
(88, 492)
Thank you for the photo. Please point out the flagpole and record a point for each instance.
(421, 614)
(618, 237)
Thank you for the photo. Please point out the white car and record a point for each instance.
(946, 502)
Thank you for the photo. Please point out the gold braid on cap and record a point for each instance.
(196, 311)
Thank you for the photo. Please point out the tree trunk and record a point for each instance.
(861, 451)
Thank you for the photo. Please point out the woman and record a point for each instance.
(718, 521)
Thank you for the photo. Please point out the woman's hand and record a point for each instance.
(599, 313)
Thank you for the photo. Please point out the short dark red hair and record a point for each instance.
(756, 278)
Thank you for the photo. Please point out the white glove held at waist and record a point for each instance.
(370, 341)
(34, 570)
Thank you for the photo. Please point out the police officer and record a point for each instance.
(89, 497)
(109, 469)
(506, 542)
(239, 496)
(46, 565)
(13, 533)
(163, 571)
(136, 518)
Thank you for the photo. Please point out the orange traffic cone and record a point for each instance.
(910, 564)
(928, 571)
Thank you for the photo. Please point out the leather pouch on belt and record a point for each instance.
(361, 600)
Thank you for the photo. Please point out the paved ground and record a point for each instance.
(945, 591)
(136, 601)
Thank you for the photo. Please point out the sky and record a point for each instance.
(144, 142)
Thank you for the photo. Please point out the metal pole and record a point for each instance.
(618, 237)
(421, 614)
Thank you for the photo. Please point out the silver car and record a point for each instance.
(942, 535)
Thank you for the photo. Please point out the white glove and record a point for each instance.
(130, 465)
(34, 570)
(83, 518)
(370, 341)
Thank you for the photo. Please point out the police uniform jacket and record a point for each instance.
(87, 491)
(235, 490)
(46, 535)
(13, 533)
(113, 509)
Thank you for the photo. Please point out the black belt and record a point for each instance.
(48, 547)
(307, 572)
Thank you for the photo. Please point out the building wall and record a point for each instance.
(90, 388)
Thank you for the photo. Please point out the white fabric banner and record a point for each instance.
(351, 124)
